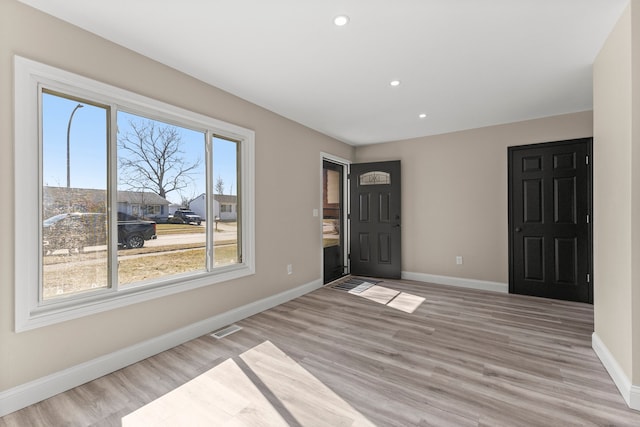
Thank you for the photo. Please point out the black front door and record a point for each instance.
(549, 220)
(375, 219)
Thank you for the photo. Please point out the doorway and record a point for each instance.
(375, 199)
(361, 232)
(333, 220)
(550, 230)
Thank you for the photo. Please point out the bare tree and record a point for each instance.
(185, 201)
(219, 185)
(151, 156)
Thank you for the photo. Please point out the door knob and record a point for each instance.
(518, 229)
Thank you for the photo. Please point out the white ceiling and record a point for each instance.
(465, 63)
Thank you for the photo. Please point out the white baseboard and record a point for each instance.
(629, 392)
(457, 281)
(634, 397)
(34, 391)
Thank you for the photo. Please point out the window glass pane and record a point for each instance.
(161, 169)
(74, 196)
(375, 178)
(331, 210)
(226, 202)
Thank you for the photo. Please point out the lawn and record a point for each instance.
(67, 274)
(89, 271)
(162, 229)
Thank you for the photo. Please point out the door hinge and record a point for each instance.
(588, 219)
(348, 256)
(348, 216)
(586, 162)
(588, 278)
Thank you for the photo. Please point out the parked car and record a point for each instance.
(132, 231)
(79, 230)
(185, 216)
(158, 219)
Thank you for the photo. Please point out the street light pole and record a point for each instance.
(68, 145)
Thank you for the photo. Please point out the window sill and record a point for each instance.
(61, 312)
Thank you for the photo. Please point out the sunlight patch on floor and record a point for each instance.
(390, 297)
(227, 396)
(308, 400)
(222, 396)
(406, 302)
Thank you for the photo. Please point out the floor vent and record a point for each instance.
(226, 331)
(361, 288)
(348, 285)
(354, 285)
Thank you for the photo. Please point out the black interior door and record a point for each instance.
(375, 219)
(549, 220)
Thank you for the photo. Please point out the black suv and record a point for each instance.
(79, 230)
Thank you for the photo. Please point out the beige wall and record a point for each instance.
(617, 192)
(612, 209)
(454, 194)
(287, 190)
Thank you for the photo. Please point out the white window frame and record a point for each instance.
(30, 312)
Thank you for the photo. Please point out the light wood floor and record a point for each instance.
(330, 358)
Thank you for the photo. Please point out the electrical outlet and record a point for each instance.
(289, 269)
(459, 260)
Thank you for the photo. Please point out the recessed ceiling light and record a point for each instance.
(341, 20)
(422, 115)
(395, 83)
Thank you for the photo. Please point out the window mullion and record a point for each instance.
(39, 297)
(241, 157)
(112, 194)
(209, 202)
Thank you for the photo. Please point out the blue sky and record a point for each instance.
(88, 149)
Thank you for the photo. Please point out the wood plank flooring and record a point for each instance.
(332, 358)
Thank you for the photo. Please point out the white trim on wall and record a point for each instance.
(630, 393)
(35, 391)
(634, 397)
(30, 311)
(457, 281)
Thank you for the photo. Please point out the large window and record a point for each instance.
(125, 187)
